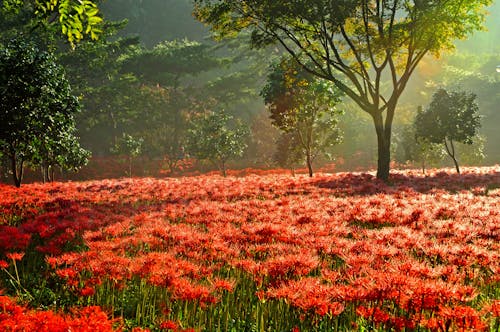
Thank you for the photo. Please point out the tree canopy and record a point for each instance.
(358, 45)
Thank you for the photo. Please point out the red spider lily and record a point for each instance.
(15, 256)
(375, 314)
(459, 318)
(495, 308)
(16, 318)
(12, 238)
(168, 325)
(223, 285)
(87, 291)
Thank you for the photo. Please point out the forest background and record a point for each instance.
(155, 69)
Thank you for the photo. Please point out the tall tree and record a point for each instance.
(451, 117)
(305, 107)
(355, 44)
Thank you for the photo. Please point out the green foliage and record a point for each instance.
(37, 110)
(303, 107)
(76, 18)
(477, 73)
(451, 117)
(212, 138)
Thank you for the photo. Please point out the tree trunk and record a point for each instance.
(451, 152)
(383, 145)
(129, 166)
(52, 174)
(172, 166)
(45, 172)
(309, 163)
(222, 167)
(42, 171)
(17, 171)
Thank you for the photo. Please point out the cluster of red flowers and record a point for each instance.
(16, 318)
(415, 252)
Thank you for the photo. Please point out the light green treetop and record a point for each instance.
(75, 17)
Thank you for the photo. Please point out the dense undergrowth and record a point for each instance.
(258, 253)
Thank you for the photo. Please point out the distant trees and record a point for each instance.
(37, 111)
(170, 61)
(155, 20)
(213, 137)
(304, 107)
(451, 117)
(168, 100)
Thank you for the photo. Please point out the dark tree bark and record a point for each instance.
(17, 170)
(309, 163)
(223, 168)
(383, 146)
(451, 152)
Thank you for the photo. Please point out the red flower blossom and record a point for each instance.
(15, 256)
(168, 325)
(3, 264)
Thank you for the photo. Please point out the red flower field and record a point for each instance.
(257, 253)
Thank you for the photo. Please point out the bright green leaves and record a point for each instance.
(12, 5)
(76, 18)
(436, 25)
